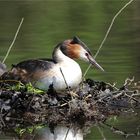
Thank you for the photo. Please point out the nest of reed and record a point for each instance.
(91, 103)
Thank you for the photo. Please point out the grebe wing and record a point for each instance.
(35, 64)
(29, 70)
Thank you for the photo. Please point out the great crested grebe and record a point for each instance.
(59, 70)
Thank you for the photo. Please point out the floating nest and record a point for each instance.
(92, 102)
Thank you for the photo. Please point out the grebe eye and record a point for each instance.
(86, 54)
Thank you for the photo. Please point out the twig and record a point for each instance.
(118, 131)
(118, 95)
(67, 134)
(129, 81)
(108, 31)
(64, 79)
(1, 118)
(130, 97)
(2, 81)
(13, 40)
(101, 132)
(2, 121)
(113, 86)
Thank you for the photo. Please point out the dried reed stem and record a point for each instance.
(64, 79)
(108, 31)
(101, 132)
(9, 49)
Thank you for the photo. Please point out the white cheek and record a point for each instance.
(83, 56)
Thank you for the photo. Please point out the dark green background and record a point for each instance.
(46, 23)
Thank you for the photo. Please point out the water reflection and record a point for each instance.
(49, 22)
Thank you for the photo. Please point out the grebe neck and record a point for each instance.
(58, 56)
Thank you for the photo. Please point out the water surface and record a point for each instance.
(46, 23)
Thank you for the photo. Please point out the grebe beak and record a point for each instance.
(94, 63)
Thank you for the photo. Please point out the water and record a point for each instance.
(46, 23)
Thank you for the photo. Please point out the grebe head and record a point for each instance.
(76, 49)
